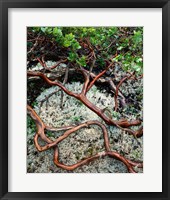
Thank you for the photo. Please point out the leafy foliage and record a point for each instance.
(123, 45)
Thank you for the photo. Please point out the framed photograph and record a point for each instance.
(84, 99)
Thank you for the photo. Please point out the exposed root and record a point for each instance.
(82, 97)
(69, 130)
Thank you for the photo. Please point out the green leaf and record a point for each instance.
(76, 45)
(68, 40)
(120, 48)
(67, 43)
(36, 29)
(57, 32)
(49, 30)
(69, 36)
(138, 59)
(72, 56)
(82, 61)
(43, 29)
(136, 67)
(137, 38)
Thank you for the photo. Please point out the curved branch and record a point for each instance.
(39, 124)
(129, 164)
(56, 83)
(41, 127)
(72, 130)
(53, 144)
(123, 123)
(98, 76)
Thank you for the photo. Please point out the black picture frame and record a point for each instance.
(4, 5)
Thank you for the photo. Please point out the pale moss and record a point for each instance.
(84, 142)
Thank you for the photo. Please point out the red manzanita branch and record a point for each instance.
(82, 97)
(56, 83)
(54, 66)
(43, 64)
(69, 130)
(98, 76)
(129, 164)
(39, 124)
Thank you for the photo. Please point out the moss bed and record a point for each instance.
(87, 141)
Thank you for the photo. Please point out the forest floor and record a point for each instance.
(85, 142)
